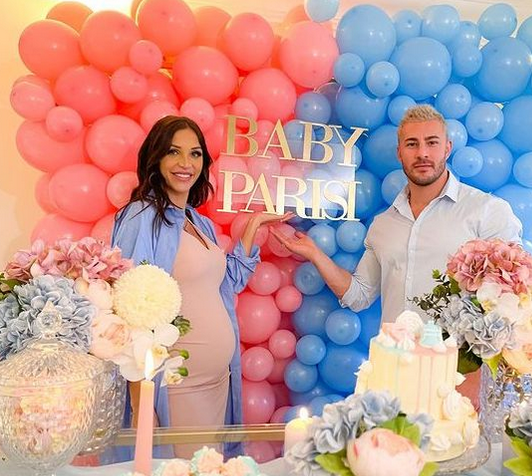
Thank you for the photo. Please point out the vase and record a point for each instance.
(498, 395)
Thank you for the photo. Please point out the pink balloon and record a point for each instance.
(32, 101)
(113, 143)
(53, 227)
(233, 164)
(201, 71)
(216, 138)
(257, 364)
(156, 110)
(275, 246)
(63, 123)
(128, 85)
(44, 153)
(146, 57)
(278, 415)
(267, 166)
(260, 451)
(31, 78)
(106, 38)
(258, 401)
(73, 14)
(282, 344)
(222, 218)
(170, 24)
(286, 266)
(248, 41)
(42, 194)
(200, 111)
(225, 243)
(264, 131)
(258, 317)
(79, 192)
(48, 47)
(210, 21)
(266, 279)
(272, 91)
(239, 224)
(282, 395)
(103, 228)
(288, 299)
(87, 90)
(120, 186)
(245, 108)
(277, 374)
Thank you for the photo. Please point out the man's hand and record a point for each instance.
(300, 244)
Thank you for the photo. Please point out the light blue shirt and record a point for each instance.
(402, 251)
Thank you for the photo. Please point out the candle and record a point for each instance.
(144, 441)
(296, 430)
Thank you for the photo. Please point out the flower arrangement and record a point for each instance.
(364, 435)
(109, 308)
(519, 429)
(484, 301)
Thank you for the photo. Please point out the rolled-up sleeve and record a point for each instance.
(240, 266)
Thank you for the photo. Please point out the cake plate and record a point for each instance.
(469, 460)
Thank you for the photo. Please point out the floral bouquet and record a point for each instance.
(484, 302)
(519, 429)
(364, 435)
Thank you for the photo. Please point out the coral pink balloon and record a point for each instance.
(233, 164)
(113, 143)
(272, 91)
(79, 191)
(266, 166)
(72, 14)
(275, 246)
(42, 194)
(44, 153)
(156, 110)
(282, 344)
(128, 85)
(87, 90)
(282, 395)
(225, 243)
(201, 71)
(257, 364)
(247, 40)
(120, 186)
(288, 299)
(308, 53)
(258, 317)
(222, 218)
(278, 415)
(258, 401)
(239, 224)
(170, 24)
(32, 101)
(53, 227)
(146, 57)
(260, 451)
(266, 279)
(264, 131)
(277, 374)
(103, 228)
(200, 111)
(31, 78)
(245, 108)
(210, 22)
(216, 138)
(286, 266)
(48, 47)
(63, 123)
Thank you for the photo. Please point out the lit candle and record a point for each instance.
(144, 441)
(296, 430)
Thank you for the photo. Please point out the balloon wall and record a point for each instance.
(100, 80)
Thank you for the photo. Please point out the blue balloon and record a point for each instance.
(310, 349)
(392, 184)
(397, 108)
(496, 166)
(368, 194)
(371, 322)
(484, 121)
(520, 198)
(304, 398)
(349, 69)
(293, 413)
(467, 61)
(525, 32)
(382, 79)
(467, 162)
(330, 90)
(347, 261)
(453, 101)
(424, 66)
(300, 377)
(350, 236)
(497, 20)
(380, 151)
(367, 31)
(338, 151)
(457, 133)
(342, 326)
(325, 237)
(468, 34)
(505, 71)
(356, 108)
(338, 367)
(516, 132)
(308, 280)
(313, 107)
(321, 10)
(441, 22)
(317, 404)
(407, 25)
(310, 317)
(334, 397)
(522, 170)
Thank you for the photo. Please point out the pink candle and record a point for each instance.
(144, 441)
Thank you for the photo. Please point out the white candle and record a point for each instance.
(296, 430)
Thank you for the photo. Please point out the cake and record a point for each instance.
(411, 360)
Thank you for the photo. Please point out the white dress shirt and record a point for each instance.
(402, 251)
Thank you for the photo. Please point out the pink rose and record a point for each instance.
(110, 335)
(381, 452)
(97, 291)
(176, 468)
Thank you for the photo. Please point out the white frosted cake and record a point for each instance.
(411, 361)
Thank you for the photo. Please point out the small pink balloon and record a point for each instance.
(260, 451)
(33, 79)
(53, 227)
(128, 85)
(146, 57)
(63, 123)
(288, 299)
(286, 266)
(210, 21)
(275, 245)
(32, 101)
(232, 164)
(42, 194)
(282, 344)
(120, 186)
(264, 132)
(265, 166)
(266, 279)
(282, 394)
(103, 228)
(239, 224)
(277, 373)
(245, 108)
(216, 138)
(73, 14)
(200, 111)
(225, 243)
(257, 364)
(258, 317)
(258, 401)
(156, 110)
(278, 415)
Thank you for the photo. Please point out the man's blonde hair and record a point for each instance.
(421, 113)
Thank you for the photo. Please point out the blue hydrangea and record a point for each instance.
(520, 421)
(460, 309)
(18, 313)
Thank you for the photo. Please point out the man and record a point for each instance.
(427, 222)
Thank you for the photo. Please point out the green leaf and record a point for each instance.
(182, 324)
(455, 288)
(467, 361)
(519, 466)
(493, 364)
(436, 274)
(521, 447)
(429, 469)
(334, 463)
(402, 427)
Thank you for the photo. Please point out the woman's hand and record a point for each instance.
(300, 244)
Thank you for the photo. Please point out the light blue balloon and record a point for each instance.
(321, 10)
(330, 90)
(316, 405)
(382, 79)
(313, 107)
(304, 398)
(522, 170)
(310, 317)
(424, 66)
(496, 166)
(468, 34)
(342, 326)
(347, 261)
(349, 69)
(338, 367)
(441, 22)
(350, 236)
(467, 61)
(467, 162)
(392, 184)
(484, 121)
(525, 32)
(325, 237)
(407, 25)
(308, 280)
(356, 108)
(497, 20)
(367, 31)
(293, 413)
(517, 130)
(505, 71)
(457, 133)
(397, 108)
(380, 151)
(371, 322)
(453, 101)
(520, 198)
(310, 349)
(300, 377)
(368, 194)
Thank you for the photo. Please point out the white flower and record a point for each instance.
(171, 374)
(146, 297)
(488, 293)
